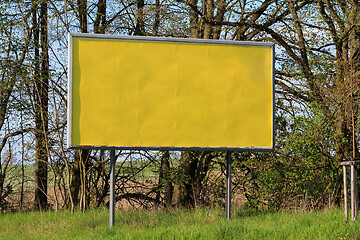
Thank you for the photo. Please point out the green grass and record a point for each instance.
(178, 224)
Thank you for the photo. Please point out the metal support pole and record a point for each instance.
(228, 185)
(356, 193)
(112, 188)
(352, 190)
(345, 193)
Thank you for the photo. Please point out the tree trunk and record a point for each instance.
(194, 20)
(168, 187)
(82, 8)
(100, 21)
(156, 25)
(164, 179)
(79, 154)
(75, 178)
(41, 115)
(354, 72)
(208, 29)
(183, 194)
(201, 172)
(2, 180)
(140, 24)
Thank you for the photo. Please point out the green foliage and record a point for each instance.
(301, 174)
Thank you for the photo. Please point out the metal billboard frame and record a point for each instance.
(113, 148)
(71, 36)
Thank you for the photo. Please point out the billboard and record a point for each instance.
(168, 93)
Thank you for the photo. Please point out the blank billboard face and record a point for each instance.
(160, 93)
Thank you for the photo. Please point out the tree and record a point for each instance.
(13, 58)
(41, 108)
(317, 79)
(208, 21)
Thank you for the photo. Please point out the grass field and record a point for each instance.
(179, 224)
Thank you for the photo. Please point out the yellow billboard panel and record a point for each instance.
(164, 93)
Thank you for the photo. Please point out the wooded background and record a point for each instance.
(317, 99)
